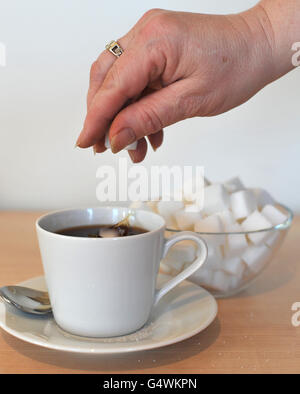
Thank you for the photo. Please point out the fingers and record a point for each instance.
(139, 154)
(156, 139)
(100, 147)
(151, 114)
(100, 69)
(98, 73)
(106, 59)
(126, 79)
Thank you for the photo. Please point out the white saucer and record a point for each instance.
(184, 312)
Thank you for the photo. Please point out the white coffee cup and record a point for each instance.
(106, 287)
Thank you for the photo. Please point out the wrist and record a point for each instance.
(260, 55)
(280, 21)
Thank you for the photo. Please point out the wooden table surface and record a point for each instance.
(252, 333)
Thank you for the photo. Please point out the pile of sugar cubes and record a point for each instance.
(228, 207)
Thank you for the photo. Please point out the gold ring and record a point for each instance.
(114, 48)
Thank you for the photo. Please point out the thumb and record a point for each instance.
(151, 114)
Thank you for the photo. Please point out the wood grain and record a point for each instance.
(253, 332)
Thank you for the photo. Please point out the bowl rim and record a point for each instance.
(281, 226)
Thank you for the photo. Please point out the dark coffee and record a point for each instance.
(101, 231)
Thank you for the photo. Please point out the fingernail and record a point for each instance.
(77, 144)
(122, 139)
(134, 156)
(131, 155)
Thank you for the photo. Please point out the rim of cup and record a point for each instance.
(44, 217)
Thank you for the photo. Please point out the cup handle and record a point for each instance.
(183, 236)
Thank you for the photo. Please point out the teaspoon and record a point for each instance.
(27, 300)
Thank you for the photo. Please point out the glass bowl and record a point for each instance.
(226, 274)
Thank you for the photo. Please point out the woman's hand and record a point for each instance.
(175, 65)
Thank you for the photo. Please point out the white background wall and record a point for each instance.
(50, 46)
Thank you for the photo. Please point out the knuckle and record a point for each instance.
(113, 79)
(147, 32)
(164, 21)
(161, 26)
(148, 14)
(150, 121)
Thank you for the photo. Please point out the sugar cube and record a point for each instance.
(216, 199)
(234, 184)
(234, 266)
(235, 282)
(242, 203)
(273, 214)
(256, 221)
(179, 254)
(272, 238)
(202, 276)
(185, 220)
(167, 210)
(211, 224)
(192, 189)
(220, 281)
(262, 197)
(227, 218)
(132, 146)
(214, 257)
(192, 208)
(256, 257)
(235, 243)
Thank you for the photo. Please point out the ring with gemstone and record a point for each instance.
(114, 48)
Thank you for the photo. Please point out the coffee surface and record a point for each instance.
(101, 231)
